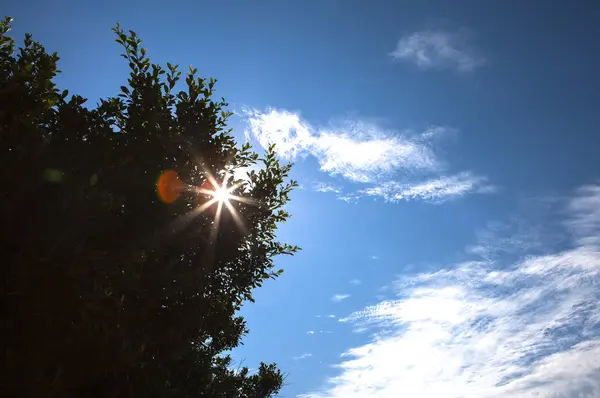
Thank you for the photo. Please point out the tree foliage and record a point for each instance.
(108, 290)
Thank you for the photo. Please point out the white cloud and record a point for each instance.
(438, 50)
(367, 159)
(291, 135)
(350, 198)
(398, 166)
(324, 187)
(339, 297)
(303, 356)
(358, 151)
(355, 282)
(310, 332)
(434, 132)
(485, 329)
(435, 190)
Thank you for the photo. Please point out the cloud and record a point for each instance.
(398, 166)
(358, 151)
(365, 159)
(320, 331)
(435, 190)
(585, 210)
(355, 282)
(339, 297)
(487, 329)
(438, 50)
(291, 135)
(323, 187)
(349, 198)
(303, 356)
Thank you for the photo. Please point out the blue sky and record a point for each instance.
(449, 213)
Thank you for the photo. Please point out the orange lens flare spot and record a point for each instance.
(169, 186)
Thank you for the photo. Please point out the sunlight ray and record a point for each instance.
(245, 200)
(182, 220)
(222, 195)
(236, 218)
(215, 226)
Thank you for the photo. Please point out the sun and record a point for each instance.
(221, 194)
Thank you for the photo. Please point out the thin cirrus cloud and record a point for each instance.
(324, 187)
(392, 165)
(431, 49)
(586, 221)
(303, 356)
(339, 297)
(434, 190)
(526, 328)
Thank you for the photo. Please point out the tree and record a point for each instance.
(128, 245)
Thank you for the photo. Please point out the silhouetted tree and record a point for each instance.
(124, 262)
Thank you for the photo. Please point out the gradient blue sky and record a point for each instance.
(449, 213)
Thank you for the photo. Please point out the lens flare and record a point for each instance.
(221, 194)
(169, 186)
(211, 196)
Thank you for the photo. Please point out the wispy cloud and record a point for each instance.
(310, 332)
(324, 187)
(430, 49)
(355, 282)
(339, 297)
(358, 151)
(365, 159)
(397, 166)
(435, 190)
(585, 219)
(487, 329)
(303, 356)
(350, 198)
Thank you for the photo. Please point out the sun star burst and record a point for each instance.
(222, 194)
(221, 198)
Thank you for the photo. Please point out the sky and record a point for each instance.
(449, 208)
